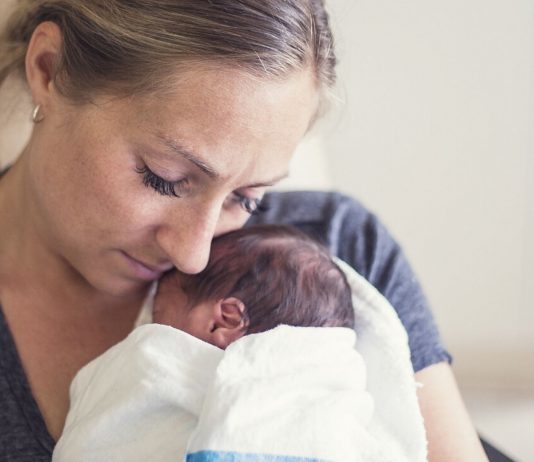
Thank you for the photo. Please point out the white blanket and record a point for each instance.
(290, 394)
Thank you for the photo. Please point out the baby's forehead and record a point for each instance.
(168, 280)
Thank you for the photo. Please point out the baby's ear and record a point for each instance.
(229, 321)
(232, 312)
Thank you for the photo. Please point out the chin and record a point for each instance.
(117, 286)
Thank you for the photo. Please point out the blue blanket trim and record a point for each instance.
(224, 456)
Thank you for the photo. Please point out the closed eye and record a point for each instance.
(252, 206)
(161, 185)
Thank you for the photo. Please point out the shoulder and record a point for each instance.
(306, 206)
(349, 230)
(355, 235)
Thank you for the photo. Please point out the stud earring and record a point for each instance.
(37, 116)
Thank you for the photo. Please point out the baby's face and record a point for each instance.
(170, 307)
(219, 322)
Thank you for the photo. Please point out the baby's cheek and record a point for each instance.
(160, 311)
(167, 311)
(157, 316)
(165, 316)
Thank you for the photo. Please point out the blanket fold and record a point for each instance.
(140, 400)
(291, 391)
(287, 395)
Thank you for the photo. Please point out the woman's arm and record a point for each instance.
(450, 433)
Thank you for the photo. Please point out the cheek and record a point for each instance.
(92, 197)
(167, 310)
(110, 198)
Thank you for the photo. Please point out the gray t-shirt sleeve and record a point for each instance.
(356, 236)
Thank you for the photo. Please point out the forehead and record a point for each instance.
(236, 93)
(220, 113)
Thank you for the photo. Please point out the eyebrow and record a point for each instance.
(187, 154)
(269, 182)
(182, 151)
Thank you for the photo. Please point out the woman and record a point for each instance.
(158, 125)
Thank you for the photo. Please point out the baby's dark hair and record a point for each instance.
(280, 274)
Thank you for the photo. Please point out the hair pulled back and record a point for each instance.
(128, 46)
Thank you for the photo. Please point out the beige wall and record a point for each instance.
(15, 125)
(437, 137)
(15, 110)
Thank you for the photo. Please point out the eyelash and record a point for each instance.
(249, 205)
(164, 187)
(158, 184)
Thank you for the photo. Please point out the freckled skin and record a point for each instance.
(91, 205)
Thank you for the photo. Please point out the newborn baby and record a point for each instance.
(257, 278)
(189, 385)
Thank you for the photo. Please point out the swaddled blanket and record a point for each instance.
(140, 400)
(161, 393)
(290, 394)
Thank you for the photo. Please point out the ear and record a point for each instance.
(229, 322)
(41, 59)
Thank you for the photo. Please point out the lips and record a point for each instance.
(144, 270)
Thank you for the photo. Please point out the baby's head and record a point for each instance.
(256, 279)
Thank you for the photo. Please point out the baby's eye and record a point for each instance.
(160, 185)
(251, 205)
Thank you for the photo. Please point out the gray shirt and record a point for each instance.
(349, 230)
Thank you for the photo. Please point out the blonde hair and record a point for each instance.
(129, 46)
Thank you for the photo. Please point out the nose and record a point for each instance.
(186, 234)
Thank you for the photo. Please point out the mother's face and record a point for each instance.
(127, 188)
